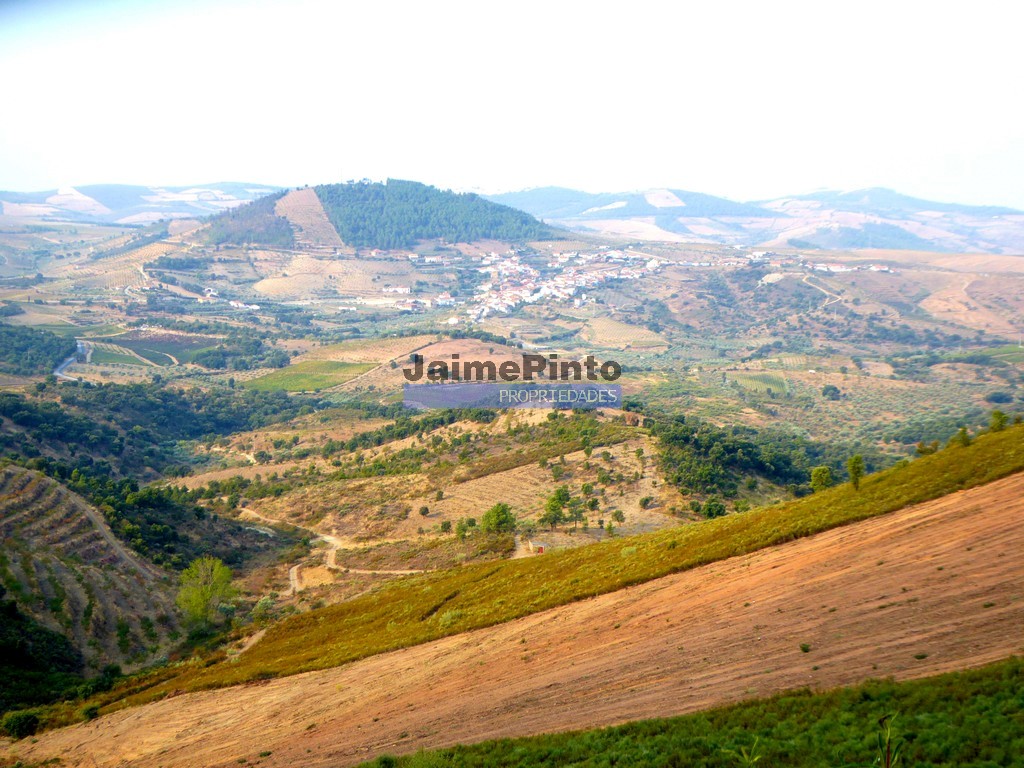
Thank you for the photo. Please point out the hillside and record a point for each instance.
(869, 218)
(64, 567)
(905, 595)
(397, 214)
(385, 216)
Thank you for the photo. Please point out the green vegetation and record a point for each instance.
(972, 719)
(821, 478)
(770, 384)
(402, 613)
(205, 587)
(109, 357)
(37, 665)
(129, 426)
(254, 223)
(308, 376)
(855, 468)
(27, 351)
(700, 457)
(397, 214)
(498, 519)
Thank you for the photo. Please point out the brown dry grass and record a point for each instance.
(305, 213)
(940, 578)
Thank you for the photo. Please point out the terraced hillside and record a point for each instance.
(62, 564)
(928, 589)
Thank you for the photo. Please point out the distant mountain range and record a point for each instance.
(867, 218)
(130, 204)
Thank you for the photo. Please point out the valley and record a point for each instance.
(811, 445)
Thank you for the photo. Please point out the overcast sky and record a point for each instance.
(745, 100)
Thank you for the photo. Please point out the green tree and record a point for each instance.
(553, 514)
(498, 519)
(821, 478)
(205, 587)
(855, 466)
(999, 420)
(713, 507)
(831, 392)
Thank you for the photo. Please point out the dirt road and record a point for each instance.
(932, 588)
(334, 543)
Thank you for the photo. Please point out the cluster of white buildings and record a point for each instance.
(514, 283)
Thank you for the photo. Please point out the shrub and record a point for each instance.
(20, 723)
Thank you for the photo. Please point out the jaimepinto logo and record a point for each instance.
(533, 366)
(455, 383)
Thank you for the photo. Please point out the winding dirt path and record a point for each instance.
(928, 589)
(334, 543)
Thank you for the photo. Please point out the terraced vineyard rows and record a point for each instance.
(64, 567)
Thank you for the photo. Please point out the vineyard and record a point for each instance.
(306, 276)
(112, 274)
(369, 350)
(765, 383)
(112, 354)
(310, 376)
(605, 332)
(62, 564)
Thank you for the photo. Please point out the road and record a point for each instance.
(334, 543)
(84, 351)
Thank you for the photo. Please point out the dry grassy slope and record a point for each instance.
(75, 577)
(306, 214)
(927, 589)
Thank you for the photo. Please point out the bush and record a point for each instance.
(20, 723)
(91, 712)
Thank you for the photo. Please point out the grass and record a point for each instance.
(972, 719)
(308, 376)
(407, 611)
(107, 357)
(760, 382)
(162, 350)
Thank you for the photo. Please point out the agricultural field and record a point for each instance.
(606, 332)
(305, 276)
(309, 376)
(769, 384)
(107, 354)
(162, 347)
(369, 350)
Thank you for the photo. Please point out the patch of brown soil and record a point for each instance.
(870, 600)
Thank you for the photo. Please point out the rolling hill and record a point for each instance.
(391, 215)
(868, 218)
(904, 595)
(129, 204)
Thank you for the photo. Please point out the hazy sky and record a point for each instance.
(745, 100)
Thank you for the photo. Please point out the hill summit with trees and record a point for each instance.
(398, 213)
(389, 215)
